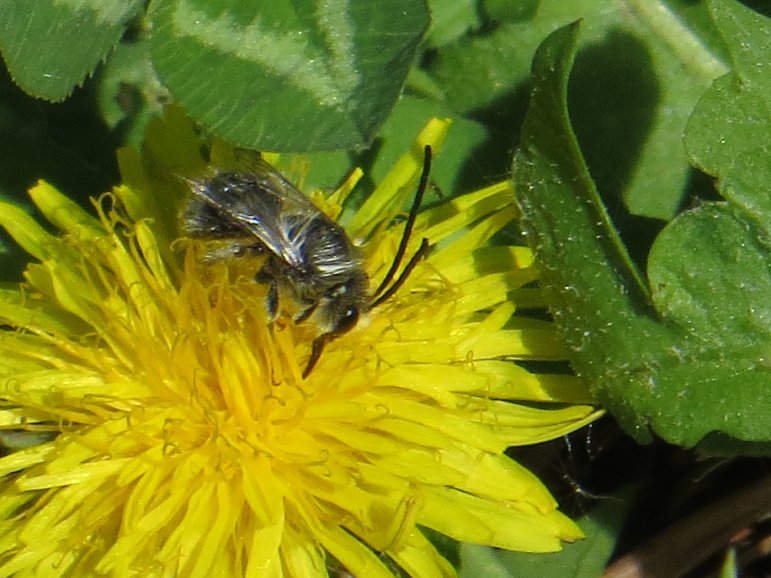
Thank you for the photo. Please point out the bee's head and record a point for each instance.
(344, 304)
(338, 313)
(346, 320)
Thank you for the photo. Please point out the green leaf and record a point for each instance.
(593, 289)
(51, 46)
(641, 67)
(720, 292)
(711, 274)
(506, 10)
(130, 94)
(565, 199)
(717, 295)
(400, 130)
(287, 76)
(728, 134)
(696, 367)
(451, 19)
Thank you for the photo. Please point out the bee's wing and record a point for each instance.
(264, 204)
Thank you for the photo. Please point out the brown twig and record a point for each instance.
(686, 544)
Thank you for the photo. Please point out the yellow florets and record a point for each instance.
(189, 444)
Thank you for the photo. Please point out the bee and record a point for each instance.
(308, 256)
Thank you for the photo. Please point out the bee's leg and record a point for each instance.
(316, 349)
(271, 299)
(306, 313)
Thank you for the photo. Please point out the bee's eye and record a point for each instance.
(347, 320)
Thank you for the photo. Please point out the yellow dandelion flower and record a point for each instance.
(186, 443)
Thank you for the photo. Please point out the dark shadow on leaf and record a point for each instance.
(66, 144)
(613, 97)
(491, 160)
(761, 6)
(699, 188)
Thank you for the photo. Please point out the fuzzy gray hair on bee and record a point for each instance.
(308, 256)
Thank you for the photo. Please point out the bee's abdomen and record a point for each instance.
(203, 220)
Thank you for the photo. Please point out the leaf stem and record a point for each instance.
(681, 39)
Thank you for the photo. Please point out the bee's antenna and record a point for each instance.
(422, 186)
(419, 254)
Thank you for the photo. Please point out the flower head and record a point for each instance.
(185, 442)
